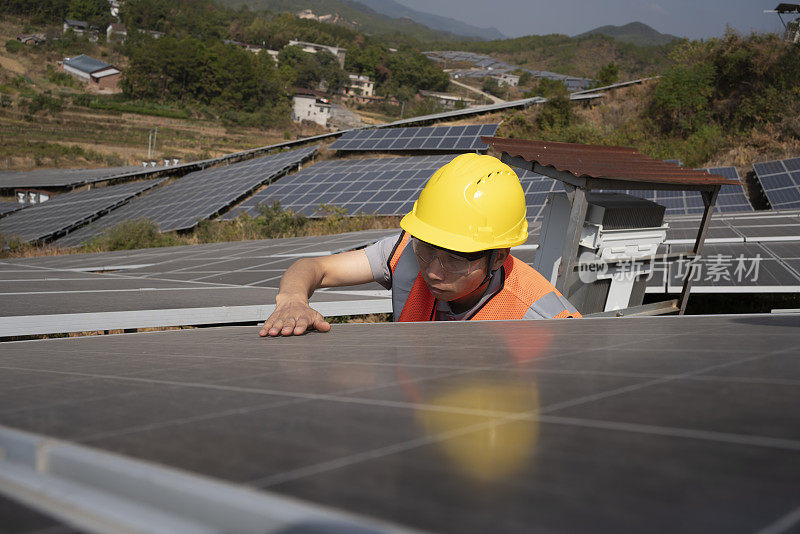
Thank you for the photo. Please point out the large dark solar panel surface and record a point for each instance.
(244, 263)
(63, 212)
(731, 198)
(196, 196)
(668, 424)
(383, 186)
(780, 180)
(435, 138)
(61, 177)
(231, 282)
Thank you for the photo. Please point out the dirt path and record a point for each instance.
(493, 98)
(12, 64)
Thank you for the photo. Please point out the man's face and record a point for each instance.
(449, 275)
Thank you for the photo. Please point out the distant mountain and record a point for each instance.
(636, 33)
(355, 15)
(396, 10)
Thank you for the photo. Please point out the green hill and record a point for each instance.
(636, 33)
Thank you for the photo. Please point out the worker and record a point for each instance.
(451, 262)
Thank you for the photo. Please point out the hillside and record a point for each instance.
(354, 16)
(570, 55)
(436, 22)
(636, 33)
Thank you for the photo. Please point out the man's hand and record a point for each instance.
(293, 316)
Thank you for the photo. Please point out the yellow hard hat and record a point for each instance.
(473, 203)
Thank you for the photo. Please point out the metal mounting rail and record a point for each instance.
(97, 491)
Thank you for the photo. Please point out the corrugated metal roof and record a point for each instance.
(86, 64)
(609, 162)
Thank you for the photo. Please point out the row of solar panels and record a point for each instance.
(384, 186)
(573, 83)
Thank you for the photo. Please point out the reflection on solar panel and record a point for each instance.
(64, 212)
(61, 177)
(9, 207)
(731, 198)
(781, 182)
(196, 196)
(436, 138)
(383, 186)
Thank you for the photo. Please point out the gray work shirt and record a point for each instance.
(378, 255)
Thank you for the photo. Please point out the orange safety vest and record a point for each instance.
(523, 289)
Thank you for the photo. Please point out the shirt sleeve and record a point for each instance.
(378, 255)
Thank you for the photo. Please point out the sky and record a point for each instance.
(697, 19)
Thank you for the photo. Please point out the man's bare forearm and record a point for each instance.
(299, 281)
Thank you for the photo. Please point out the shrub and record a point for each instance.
(42, 102)
(13, 46)
(555, 113)
(680, 100)
(139, 233)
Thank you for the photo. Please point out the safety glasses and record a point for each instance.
(451, 263)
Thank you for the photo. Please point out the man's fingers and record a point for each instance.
(300, 327)
(275, 329)
(266, 327)
(321, 324)
(288, 327)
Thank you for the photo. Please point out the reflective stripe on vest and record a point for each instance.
(523, 290)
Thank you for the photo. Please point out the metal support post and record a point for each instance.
(709, 199)
(569, 253)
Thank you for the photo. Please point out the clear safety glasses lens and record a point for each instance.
(450, 262)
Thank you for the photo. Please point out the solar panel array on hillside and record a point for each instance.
(383, 186)
(731, 199)
(435, 138)
(64, 212)
(196, 196)
(491, 66)
(780, 180)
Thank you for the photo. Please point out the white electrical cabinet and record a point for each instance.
(619, 239)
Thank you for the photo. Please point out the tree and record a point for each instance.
(680, 100)
(608, 74)
(95, 12)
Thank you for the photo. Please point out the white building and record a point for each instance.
(512, 80)
(311, 108)
(313, 48)
(360, 85)
(447, 100)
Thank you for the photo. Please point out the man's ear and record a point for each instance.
(500, 257)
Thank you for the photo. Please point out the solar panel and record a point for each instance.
(737, 268)
(780, 180)
(469, 427)
(196, 196)
(61, 177)
(381, 186)
(10, 207)
(64, 212)
(731, 198)
(437, 138)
